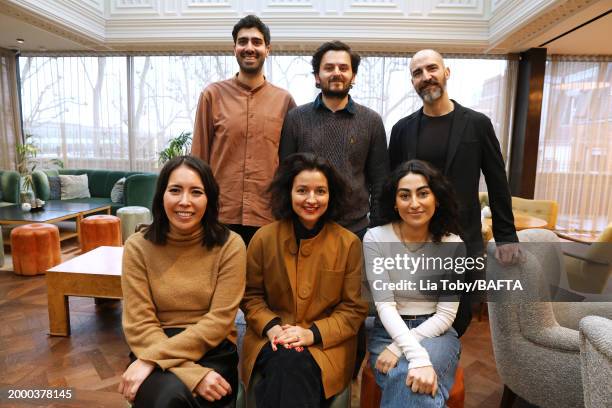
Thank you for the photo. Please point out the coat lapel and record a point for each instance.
(413, 136)
(457, 130)
(290, 250)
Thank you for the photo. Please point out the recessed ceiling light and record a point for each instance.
(20, 40)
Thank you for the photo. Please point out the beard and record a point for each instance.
(434, 92)
(327, 91)
(250, 69)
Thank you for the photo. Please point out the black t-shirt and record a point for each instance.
(434, 132)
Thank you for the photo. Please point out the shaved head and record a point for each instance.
(426, 54)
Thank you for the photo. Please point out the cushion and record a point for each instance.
(116, 194)
(74, 187)
(55, 188)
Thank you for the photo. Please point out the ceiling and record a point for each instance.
(36, 39)
(591, 39)
(44, 34)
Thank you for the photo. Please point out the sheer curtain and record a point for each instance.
(76, 109)
(10, 127)
(574, 165)
(165, 91)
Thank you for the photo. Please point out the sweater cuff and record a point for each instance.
(316, 334)
(394, 348)
(271, 324)
(419, 362)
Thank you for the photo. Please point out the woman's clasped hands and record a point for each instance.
(289, 336)
(422, 380)
(213, 387)
(133, 377)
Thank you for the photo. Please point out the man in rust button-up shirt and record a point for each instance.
(237, 131)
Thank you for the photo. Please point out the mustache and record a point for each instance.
(429, 82)
(249, 54)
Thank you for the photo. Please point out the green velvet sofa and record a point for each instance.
(9, 187)
(138, 189)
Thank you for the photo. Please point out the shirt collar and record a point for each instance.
(246, 88)
(319, 104)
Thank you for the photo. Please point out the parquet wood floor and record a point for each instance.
(93, 358)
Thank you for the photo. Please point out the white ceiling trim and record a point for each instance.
(473, 25)
(82, 16)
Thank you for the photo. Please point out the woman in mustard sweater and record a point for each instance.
(302, 302)
(182, 281)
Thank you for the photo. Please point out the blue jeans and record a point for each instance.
(444, 354)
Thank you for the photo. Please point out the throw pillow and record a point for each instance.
(55, 188)
(74, 187)
(117, 191)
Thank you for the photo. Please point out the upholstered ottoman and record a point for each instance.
(35, 248)
(131, 217)
(100, 230)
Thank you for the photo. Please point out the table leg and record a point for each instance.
(59, 312)
(78, 228)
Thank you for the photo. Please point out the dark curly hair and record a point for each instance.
(251, 21)
(215, 233)
(280, 188)
(334, 46)
(445, 218)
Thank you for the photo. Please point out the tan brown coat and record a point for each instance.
(319, 283)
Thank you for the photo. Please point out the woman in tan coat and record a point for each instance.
(302, 303)
(182, 281)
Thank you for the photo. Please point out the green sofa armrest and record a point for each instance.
(40, 184)
(139, 190)
(10, 185)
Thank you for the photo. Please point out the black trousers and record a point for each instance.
(288, 379)
(245, 231)
(464, 312)
(163, 389)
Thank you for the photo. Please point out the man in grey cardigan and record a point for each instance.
(351, 136)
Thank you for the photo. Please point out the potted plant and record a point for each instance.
(26, 155)
(178, 146)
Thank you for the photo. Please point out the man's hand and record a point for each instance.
(386, 361)
(423, 380)
(133, 377)
(213, 387)
(295, 336)
(508, 254)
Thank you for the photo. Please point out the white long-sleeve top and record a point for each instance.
(383, 242)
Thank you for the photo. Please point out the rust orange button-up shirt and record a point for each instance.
(237, 131)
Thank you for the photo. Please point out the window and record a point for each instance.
(77, 107)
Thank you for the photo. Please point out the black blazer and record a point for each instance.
(472, 147)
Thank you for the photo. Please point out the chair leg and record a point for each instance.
(508, 398)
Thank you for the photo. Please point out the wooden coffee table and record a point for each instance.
(53, 212)
(96, 273)
(522, 221)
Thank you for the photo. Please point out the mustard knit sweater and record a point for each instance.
(181, 284)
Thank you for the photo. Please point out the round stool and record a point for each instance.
(100, 230)
(132, 216)
(35, 248)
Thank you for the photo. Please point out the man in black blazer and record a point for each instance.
(460, 142)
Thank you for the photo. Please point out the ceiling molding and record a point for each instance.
(481, 26)
(542, 21)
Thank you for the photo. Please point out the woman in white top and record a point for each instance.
(413, 348)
